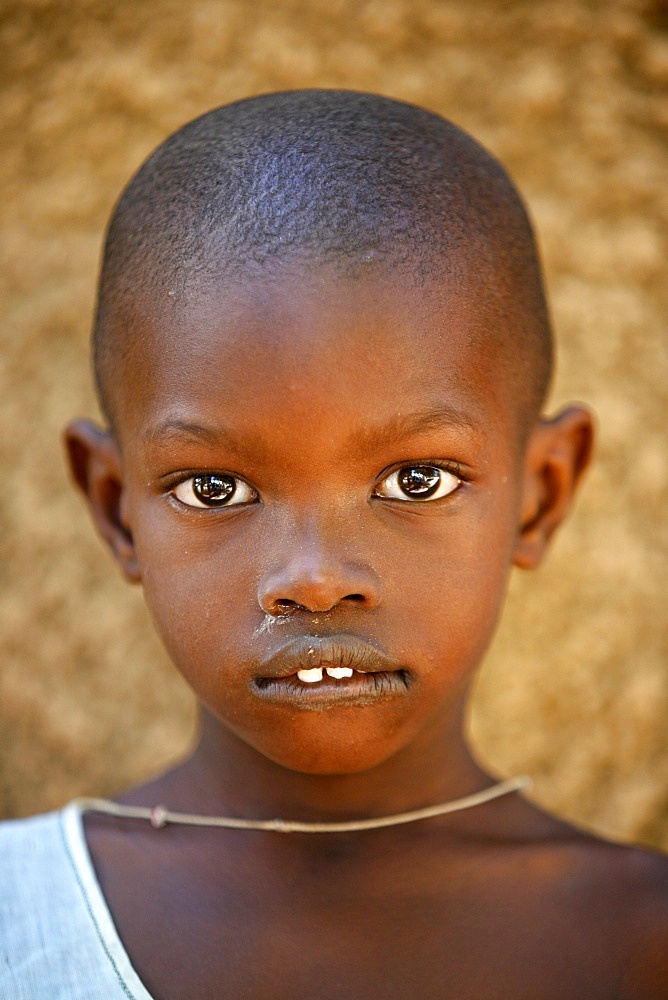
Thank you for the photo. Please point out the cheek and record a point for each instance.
(448, 590)
(198, 589)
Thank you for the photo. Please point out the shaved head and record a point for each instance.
(333, 177)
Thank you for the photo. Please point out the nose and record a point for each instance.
(312, 574)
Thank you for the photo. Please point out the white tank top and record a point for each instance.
(57, 938)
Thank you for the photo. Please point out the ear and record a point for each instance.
(95, 464)
(558, 452)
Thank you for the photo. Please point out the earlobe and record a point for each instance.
(95, 465)
(558, 452)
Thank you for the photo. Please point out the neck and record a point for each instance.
(225, 776)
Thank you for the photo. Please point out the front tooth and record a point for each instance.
(339, 672)
(311, 676)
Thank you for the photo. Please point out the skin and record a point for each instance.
(313, 390)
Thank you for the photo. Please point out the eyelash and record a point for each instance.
(248, 495)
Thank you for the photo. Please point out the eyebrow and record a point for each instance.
(365, 439)
(186, 430)
(183, 429)
(407, 425)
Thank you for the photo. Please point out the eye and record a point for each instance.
(419, 483)
(213, 489)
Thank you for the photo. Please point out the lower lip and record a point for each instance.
(358, 690)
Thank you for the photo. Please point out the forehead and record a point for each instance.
(309, 340)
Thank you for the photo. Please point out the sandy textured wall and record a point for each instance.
(572, 96)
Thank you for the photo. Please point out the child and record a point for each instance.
(322, 349)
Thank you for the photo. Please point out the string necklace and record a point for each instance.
(160, 816)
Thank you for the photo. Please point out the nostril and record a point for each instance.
(284, 606)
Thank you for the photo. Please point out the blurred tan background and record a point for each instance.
(572, 96)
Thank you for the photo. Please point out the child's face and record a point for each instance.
(314, 469)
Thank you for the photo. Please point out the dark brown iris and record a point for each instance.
(213, 489)
(419, 481)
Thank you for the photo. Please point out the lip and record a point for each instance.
(376, 676)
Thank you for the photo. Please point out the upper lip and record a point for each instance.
(307, 651)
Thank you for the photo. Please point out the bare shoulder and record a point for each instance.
(623, 892)
(637, 881)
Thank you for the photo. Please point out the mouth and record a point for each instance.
(314, 672)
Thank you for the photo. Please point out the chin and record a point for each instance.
(332, 759)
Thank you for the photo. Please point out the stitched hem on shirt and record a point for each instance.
(91, 913)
